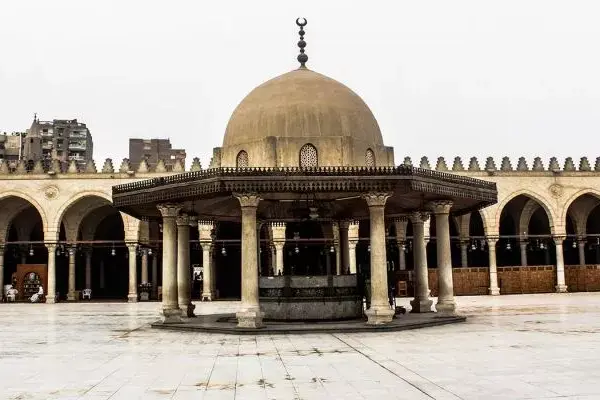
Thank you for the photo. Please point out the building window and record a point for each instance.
(308, 156)
(242, 160)
(370, 158)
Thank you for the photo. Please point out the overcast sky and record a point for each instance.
(442, 77)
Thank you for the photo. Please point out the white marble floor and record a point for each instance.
(512, 347)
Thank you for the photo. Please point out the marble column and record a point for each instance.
(71, 293)
(278, 235)
(421, 303)
(207, 293)
(352, 242)
(132, 296)
(493, 289)
(205, 231)
(345, 251)
(88, 268)
(145, 266)
(402, 255)
(445, 304)
(561, 286)
(249, 315)
(155, 275)
(51, 290)
(464, 253)
(336, 247)
(581, 249)
(170, 306)
(523, 246)
(273, 259)
(380, 311)
(184, 279)
(2, 270)
(352, 256)
(279, 258)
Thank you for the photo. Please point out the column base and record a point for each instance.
(132, 298)
(379, 315)
(446, 307)
(171, 315)
(207, 296)
(188, 311)
(494, 291)
(50, 300)
(561, 288)
(71, 296)
(421, 306)
(250, 319)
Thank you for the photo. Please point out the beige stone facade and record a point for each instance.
(558, 204)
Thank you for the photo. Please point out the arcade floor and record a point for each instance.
(511, 347)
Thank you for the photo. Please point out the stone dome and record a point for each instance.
(302, 103)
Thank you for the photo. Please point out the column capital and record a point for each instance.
(183, 220)
(193, 221)
(558, 239)
(344, 224)
(440, 206)
(205, 229)
(132, 247)
(248, 200)
(376, 199)
(51, 246)
(419, 217)
(169, 210)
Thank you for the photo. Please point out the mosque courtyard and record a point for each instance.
(511, 347)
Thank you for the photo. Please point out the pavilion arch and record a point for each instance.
(23, 201)
(573, 198)
(532, 195)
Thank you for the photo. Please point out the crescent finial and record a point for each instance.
(302, 57)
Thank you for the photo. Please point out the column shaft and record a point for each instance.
(155, 276)
(352, 256)
(145, 266)
(249, 315)
(51, 292)
(380, 311)
(88, 269)
(561, 286)
(345, 249)
(581, 249)
(493, 289)
(421, 303)
(523, 246)
(132, 296)
(464, 254)
(71, 291)
(170, 308)
(279, 258)
(184, 278)
(207, 293)
(402, 256)
(445, 302)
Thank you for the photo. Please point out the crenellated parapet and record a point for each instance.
(71, 169)
(507, 166)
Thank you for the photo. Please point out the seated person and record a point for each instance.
(37, 296)
(12, 293)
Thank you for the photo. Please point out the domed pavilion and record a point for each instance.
(302, 164)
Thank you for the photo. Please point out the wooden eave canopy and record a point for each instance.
(210, 192)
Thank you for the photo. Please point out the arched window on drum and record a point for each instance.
(370, 158)
(241, 160)
(309, 156)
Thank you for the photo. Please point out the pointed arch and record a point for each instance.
(242, 160)
(552, 218)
